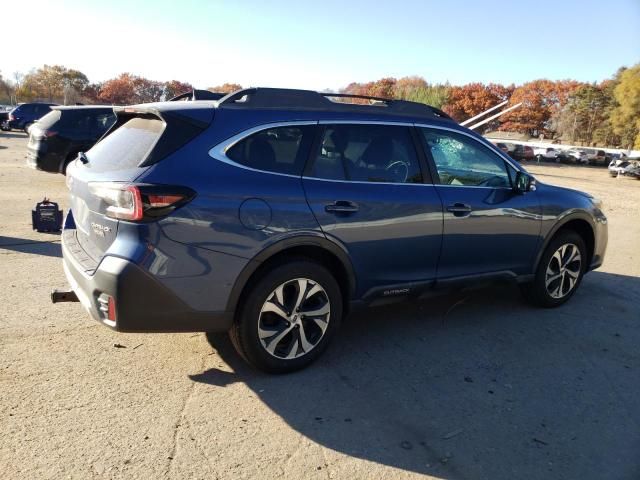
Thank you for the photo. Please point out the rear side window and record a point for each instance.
(278, 149)
(88, 120)
(128, 146)
(367, 153)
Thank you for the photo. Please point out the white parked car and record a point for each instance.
(546, 153)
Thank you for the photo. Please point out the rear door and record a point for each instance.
(488, 227)
(366, 187)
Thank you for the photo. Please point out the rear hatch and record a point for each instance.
(140, 138)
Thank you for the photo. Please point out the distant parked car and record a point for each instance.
(615, 168)
(546, 154)
(24, 115)
(4, 115)
(57, 138)
(573, 156)
(517, 151)
(597, 157)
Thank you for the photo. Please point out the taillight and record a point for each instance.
(49, 133)
(140, 202)
(11, 117)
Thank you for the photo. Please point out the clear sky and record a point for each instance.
(323, 44)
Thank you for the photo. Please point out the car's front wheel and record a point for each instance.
(560, 271)
(288, 317)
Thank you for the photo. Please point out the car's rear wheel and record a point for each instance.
(560, 271)
(288, 317)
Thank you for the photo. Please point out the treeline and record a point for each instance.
(604, 114)
(67, 86)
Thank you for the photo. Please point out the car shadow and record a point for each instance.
(473, 385)
(47, 248)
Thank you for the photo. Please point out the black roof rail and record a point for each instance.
(276, 98)
(196, 94)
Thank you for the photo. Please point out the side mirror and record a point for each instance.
(524, 183)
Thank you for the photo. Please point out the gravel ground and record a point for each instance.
(469, 385)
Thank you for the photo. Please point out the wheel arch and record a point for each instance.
(315, 247)
(578, 222)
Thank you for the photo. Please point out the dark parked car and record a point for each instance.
(58, 137)
(25, 115)
(273, 212)
(517, 151)
(4, 116)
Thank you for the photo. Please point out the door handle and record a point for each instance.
(459, 209)
(341, 206)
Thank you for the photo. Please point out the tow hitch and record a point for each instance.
(58, 296)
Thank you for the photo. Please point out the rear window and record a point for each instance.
(88, 120)
(128, 146)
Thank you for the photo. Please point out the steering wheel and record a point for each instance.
(492, 181)
(399, 170)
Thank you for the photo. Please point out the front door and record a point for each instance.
(488, 227)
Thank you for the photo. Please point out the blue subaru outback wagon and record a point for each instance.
(271, 212)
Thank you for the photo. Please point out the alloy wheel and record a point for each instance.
(294, 318)
(563, 271)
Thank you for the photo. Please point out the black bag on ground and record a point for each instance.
(46, 217)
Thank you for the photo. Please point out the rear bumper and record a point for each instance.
(39, 159)
(142, 304)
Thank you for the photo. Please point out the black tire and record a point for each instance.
(537, 292)
(70, 158)
(244, 332)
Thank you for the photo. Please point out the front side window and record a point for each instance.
(367, 153)
(463, 161)
(278, 149)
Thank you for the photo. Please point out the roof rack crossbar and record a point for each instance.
(308, 99)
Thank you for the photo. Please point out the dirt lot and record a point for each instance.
(463, 386)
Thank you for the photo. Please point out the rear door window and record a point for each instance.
(277, 150)
(128, 146)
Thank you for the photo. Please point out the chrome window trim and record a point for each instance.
(219, 151)
(368, 183)
(365, 122)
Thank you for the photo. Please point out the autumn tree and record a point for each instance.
(469, 100)
(146, 91)
(174, 88)
(54, 83)
(541, 100)
(7, 90)
(91, 93)
(416, 89)
(119, 91)
(585, 109)
(625, 116)
(226, 88)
